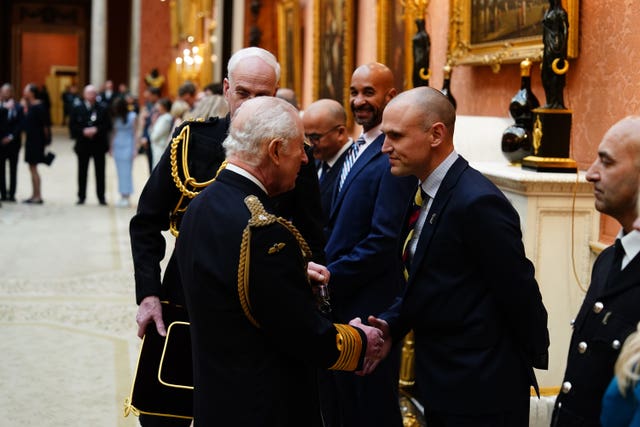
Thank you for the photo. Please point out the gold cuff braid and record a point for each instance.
(349, 344)
(259, 218)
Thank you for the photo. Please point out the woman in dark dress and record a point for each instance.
(38, 130)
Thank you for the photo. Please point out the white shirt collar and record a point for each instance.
(342, 149)
(243, 172)
(631, 244)
(433, 181)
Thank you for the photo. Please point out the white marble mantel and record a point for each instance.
(557, 231)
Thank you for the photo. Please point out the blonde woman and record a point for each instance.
(620, 402)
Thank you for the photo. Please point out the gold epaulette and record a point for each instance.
(260, 218)
(349, 344)
(188, 188)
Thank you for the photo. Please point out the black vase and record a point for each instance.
(516, 143)
(516, 139)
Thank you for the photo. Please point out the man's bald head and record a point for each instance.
(370, 90)
(325, 126)
(418, 126)
(430, 104)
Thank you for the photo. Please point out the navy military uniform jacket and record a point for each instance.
(609, 313)
(254, 361)
(472, 301)
(161, 195)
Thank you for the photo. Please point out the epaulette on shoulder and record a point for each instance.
(260, 218)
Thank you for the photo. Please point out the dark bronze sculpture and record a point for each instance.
(421, 50)
(555, 31)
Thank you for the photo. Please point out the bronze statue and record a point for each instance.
(421, 49)
(555, 30)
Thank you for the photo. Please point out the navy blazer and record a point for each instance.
(472, 301)
(364, 225)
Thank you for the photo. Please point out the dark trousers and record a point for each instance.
(518, 416)
(366, 401)
(83, 168)
(153, 421)
(10, 155)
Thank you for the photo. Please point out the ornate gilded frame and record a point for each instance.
(341, 50)
(463, 52)
(289, 50)
(388, 11)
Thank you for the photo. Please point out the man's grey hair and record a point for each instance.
(275, 119)
(249, 52)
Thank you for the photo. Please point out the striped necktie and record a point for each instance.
(350, 159)
(421, 198)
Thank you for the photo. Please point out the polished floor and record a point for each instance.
(68, 342)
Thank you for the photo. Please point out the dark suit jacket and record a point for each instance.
(327, 187)
(81, 117)
(603, 329)
(472, 301)
(364, 224)
(160, 196)
(246, 375)
(12, 126)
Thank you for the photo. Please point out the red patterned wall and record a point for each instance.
(603, 83)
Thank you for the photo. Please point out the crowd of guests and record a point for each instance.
(100, 121)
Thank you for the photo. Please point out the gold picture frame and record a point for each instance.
(289, 49)
(394, 40)
(333, 49)
(474, 35)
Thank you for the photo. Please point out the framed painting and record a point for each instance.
(289, 49)
(333, 49)
(394, 40)
(494, 32)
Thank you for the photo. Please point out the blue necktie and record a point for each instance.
(350, 160)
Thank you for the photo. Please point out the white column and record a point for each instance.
(134, 49)
(98, 53)
(237, 41)
(219, 68)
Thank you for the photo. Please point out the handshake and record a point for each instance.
(378, 342)
(378, 336)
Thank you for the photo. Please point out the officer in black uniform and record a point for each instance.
(610, 310)
(189, 164)
(89, 125)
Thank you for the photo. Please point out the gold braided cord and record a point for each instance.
(181, 207)
(349, 344)
(259, 218)
(243, 276)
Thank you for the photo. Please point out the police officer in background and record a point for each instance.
(89, 125)
(610, 311)
(251, 72)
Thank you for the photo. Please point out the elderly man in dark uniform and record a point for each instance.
(256, 333)
(89, 125)
(190, 164)
(610, 311)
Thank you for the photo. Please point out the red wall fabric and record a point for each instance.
(41, 51)
(155, 41)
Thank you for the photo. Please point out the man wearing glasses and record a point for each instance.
(325, 128)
